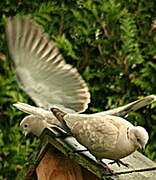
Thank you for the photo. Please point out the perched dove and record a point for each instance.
(106, 136)
(39, 116)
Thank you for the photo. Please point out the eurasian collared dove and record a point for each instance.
(106, 136)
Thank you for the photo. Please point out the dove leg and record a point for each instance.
(106, 168)
(119, 163)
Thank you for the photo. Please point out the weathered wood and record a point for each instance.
(68, 146)
(55, 166)
(141, 168)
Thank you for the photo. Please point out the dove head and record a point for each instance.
(32, 124)
(138, 136)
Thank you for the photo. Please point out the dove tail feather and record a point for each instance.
(60, 116)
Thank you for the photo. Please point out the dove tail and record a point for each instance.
(60, 116)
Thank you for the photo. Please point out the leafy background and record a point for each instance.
(112, 43)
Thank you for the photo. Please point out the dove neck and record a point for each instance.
(39, 126)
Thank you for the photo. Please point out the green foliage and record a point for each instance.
(130, 47)
(112, 43)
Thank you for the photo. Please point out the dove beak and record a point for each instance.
(25, 134)
(143, 147)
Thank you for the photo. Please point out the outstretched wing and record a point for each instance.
(131, 107)
(41, 70)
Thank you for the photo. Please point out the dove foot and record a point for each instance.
(119, 163)
(106, 168)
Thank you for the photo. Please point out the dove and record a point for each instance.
(110, 137)
(37, 114)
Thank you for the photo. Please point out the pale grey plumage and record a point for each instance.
(41, 70)
(131, 107)
(47, 116)
(43, 74)
(106, 136)
(33, 123)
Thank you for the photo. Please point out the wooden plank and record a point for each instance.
(55, 166)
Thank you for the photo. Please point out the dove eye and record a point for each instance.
(138, 139)
(25, 125)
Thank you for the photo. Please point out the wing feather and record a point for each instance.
(41, 70)
(96, 133)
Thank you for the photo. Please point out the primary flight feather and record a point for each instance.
(41, 70)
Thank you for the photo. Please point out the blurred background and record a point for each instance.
(111, 43)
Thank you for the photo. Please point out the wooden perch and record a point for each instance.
(57, 159)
